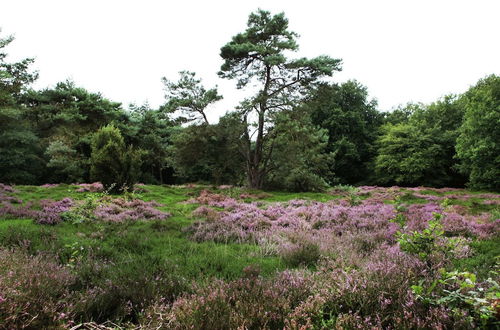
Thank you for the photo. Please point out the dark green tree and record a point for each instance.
(406, 156)
(20, 160)
(152, 132)
(300, 161)
(441, 120)
(112, 162)
(420, 149)
(478, 146)
(65, 118)
(352, 122)
(257, 56)
(209, 153)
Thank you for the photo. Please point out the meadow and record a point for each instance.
(225, 257)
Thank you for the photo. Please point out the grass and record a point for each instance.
(122, 244)
(485, 256)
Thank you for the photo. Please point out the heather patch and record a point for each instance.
(120, 210)
(51, 211)
(34, 291)
(90, 187)
(322, 222)
(227, 258)
(49, 185)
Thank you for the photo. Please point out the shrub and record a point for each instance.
(120, 210)
(302, 253)
(112, 163)
(460, 292)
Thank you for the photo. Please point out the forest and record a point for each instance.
(306, 206)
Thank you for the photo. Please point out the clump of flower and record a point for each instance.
(6, 192)
(50, 185)
(16, 211)
(4, 188)
(52, 211)
(120, 210)
(260, 195)
(206, 212)
(209, 198)
(90, 187)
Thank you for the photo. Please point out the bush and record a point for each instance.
(112, 163)
(303, 253)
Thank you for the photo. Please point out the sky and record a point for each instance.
(402, 50)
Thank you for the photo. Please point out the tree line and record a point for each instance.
(297, 132)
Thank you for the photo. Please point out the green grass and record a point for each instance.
(485, 256)
(123, 244)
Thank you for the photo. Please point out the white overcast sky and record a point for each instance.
(402, 50)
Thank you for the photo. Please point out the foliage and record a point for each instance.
(19, 149)
(112, 163)
(299, 161)
(70, 165)
(477, 146)
(14, 77)
(419, 150)
(460, 291)
(152, 133)
(352, 122)
(208, 153)
(426, 242)
(64, 118)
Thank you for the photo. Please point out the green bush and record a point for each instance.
(112, 163)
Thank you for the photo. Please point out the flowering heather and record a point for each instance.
(212, 199)
(250, 223)
(247, 303)
(50, 185)
(4, 188)
(51, 211)
(375, 294)
(16, 211)
(297, 229)
(261, 195)
(5, 194)
(90, 187)
(34, 291)
(120, 210)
